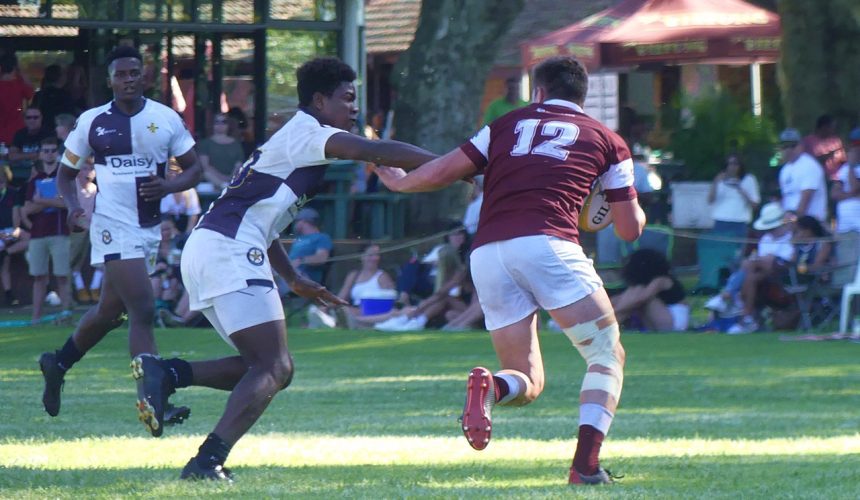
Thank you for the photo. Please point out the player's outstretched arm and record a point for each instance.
(437, 174)
(348, 146)
(302, 286)
(629, 219)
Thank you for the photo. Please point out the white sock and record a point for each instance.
(596, 416)
(515, 388)
(79, 280)
(96, 283)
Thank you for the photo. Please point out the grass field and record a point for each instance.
(373, 415)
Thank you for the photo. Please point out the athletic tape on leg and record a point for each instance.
(596, 416)
(598, 346)
(595, 381)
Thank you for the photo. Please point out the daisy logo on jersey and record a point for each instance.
(100, 131)
(255, 256)
(152, 127)
(106, 237)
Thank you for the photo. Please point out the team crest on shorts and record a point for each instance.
(255, 256)
(106, 237)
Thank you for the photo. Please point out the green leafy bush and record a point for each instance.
(715, 125)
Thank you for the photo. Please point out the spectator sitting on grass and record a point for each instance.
(653, 295)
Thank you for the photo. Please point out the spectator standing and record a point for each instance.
(507, 103)
(846, 192)
(220, 154)
(734, 197)
(49, 235)
(52, 99)
(826, 146)
(77, 83)
(26, 146)
(801, 179)
(15, 93)
(311, 248)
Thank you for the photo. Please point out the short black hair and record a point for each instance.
(53, 73)
(563, 78)
(643, 266)
(812, 224)
(323, 75)
(8, 62)
(824, 121)
(122, 52)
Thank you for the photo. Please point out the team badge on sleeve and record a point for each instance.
(106, 237)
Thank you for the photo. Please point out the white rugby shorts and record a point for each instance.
(214, 265)
(515, 277)
(114, 240)
(236, 311)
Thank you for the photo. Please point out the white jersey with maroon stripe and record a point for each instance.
(127, 150)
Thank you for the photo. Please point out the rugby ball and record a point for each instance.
(595, 214)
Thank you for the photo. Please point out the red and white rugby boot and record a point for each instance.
(480, 399)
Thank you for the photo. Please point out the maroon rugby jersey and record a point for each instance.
(539, 163)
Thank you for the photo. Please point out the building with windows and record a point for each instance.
(201, 56)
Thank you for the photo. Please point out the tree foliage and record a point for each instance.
(440, 80)
(717, 127)
(820, 64)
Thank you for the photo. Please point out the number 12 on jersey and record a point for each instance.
(562, 134)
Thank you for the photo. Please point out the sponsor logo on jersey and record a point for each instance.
(255, 256)
(152, 127)
(100, 131)
(130, 161)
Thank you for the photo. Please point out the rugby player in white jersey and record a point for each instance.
(539, 163)
(131, 139)
(229, 259)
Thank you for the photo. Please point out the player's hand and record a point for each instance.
(154, 188)
(77, 220)
(316, 293)
(390, 176)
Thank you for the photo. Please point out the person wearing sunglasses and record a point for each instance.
(26, 145)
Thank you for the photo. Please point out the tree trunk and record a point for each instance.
(820, 61)
(440, 81)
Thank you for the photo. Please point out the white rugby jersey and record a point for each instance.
(127, 149)
(265, 194)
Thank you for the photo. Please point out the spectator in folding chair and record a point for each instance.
(761, 275)
(812, 274)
